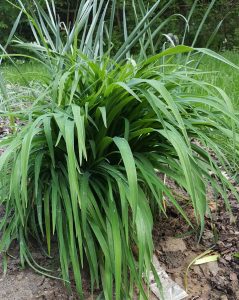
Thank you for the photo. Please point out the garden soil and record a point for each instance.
(176, 246)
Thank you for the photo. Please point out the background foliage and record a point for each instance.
(227, 10)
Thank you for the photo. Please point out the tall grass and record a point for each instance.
(85, 167)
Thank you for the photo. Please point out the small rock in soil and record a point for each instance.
(213, 267)
(173, 244)
(233, 277)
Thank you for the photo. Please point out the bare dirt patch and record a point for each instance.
(176, 246)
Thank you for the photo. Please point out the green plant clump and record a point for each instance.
(84, 169)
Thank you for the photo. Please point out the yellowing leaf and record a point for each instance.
(207, 259)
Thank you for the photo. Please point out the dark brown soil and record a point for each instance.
(176, 247)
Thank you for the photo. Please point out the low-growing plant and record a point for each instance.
(84, 169)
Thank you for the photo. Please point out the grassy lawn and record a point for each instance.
(223, 75)
(23, 72)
